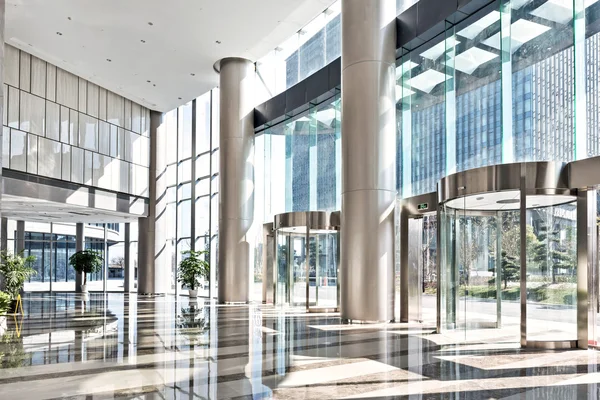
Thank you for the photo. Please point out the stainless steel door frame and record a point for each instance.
(268, 262)
(411, 235)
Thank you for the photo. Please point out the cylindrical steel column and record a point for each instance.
(368, 159)
(236, 196)
(79, 244)
(128, 267)
(153, 261)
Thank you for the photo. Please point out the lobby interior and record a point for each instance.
(392, 199)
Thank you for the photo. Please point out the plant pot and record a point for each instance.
(84, 289)
(193, 293)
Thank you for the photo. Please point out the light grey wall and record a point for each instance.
(62, 126)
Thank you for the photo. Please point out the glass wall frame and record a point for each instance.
(192, 179)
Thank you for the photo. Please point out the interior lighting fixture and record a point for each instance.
(468, 61)
(471, 31)
(521, 32)
(428, 80)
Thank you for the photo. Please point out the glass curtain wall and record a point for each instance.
(307, 51)
(192, 154)
(517, 81)
(302, 162)
(53, 244)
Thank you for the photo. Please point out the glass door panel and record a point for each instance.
(508, 273)
(478, 249)
(323, 291)
(282, 274)
(448, 270)
(297, 268)
(429, 273)
(552, 273)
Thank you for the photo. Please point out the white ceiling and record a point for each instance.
(180, 40)
(30, 209)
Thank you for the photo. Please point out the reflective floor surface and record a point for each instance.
(136, 347)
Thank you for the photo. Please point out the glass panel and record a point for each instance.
(476, 97)
(18, 154)
(429, 256)
(50, 155)
(184, 136)
(202, 215)
(185, 171)
(323, 275)
(542, 54)
(297, 270)
(116, 264)
(203, 244)
(422, 78)
(184, 218)
(203, 123)
(552, 272)
(282, 257)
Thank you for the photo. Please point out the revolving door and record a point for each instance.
(508, 265)
(306, 260)
(516, 253)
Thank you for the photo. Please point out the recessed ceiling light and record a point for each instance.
(148, 81)
(69, 18)
(193, 74)
(59, 34)
(154, 84)
(217, 41)
(143, 41)
(150, 23)
(109, 60)
(179, 98)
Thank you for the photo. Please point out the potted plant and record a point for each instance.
(86, 262)
(15, 270)
(192, 269)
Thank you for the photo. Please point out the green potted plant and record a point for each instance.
(86, 262)
(15, 270)
(192, 269)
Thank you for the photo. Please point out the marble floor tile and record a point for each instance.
(119, 346)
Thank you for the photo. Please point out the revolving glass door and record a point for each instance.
(307, 261)
(508, 256)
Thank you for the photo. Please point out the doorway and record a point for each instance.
(418, 277)
(306, 261)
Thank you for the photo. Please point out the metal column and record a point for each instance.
(79, 238)
(586, 257)
(154, 265)
(129, 269)
(268, 261)
(4, 234)
(236, 205)
(368, 160)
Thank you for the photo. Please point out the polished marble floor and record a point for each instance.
(137, 347)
